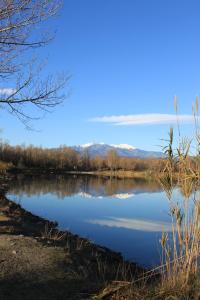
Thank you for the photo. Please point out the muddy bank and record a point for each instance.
(40, 262)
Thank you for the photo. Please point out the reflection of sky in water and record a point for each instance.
(134, 224)
(129, 221)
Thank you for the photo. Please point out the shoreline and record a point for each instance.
(74, 264)
(117, 174)
(104, 173)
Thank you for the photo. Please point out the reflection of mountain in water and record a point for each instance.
(118, 196)
(85, 186)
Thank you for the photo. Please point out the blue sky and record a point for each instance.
(126, 57)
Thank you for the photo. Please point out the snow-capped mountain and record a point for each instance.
(124, 146)
(125, 150)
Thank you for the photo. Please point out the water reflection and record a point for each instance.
(126, 215)
(85, 186)
(134, 224)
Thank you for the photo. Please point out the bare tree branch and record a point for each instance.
(20, 31)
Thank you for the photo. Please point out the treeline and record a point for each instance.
(66, 159)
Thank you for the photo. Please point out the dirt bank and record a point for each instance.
(39, 262)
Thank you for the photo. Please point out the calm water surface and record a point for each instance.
(126, 215)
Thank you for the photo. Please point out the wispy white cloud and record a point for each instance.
(142, 119)
(134, 224)
(7, 91)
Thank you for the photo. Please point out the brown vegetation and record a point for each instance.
(179, 269)
(66, 159)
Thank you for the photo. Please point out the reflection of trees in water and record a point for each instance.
(63, 186)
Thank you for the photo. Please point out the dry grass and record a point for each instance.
(51, 233)
(181, 249)
(122, 174)
(179, 276)
(4, 167)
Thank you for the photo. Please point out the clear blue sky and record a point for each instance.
(126, 57)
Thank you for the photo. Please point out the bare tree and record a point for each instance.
(112, 160)
(22, 30)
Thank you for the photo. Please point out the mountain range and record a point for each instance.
(101, 149)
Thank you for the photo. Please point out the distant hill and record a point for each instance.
(121, 149)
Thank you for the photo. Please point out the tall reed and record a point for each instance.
(181, 247)
(178, 276)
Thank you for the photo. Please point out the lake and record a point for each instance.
(125, 215)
